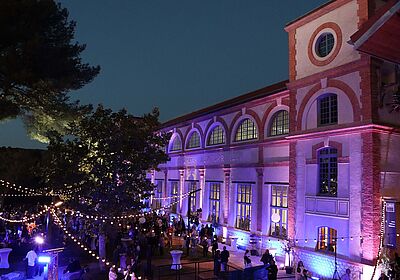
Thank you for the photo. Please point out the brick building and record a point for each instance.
(314, 159)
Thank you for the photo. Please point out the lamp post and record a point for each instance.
(335, 275)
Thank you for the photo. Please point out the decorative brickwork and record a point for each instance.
(292, 55)
(350, 94)
(335, 84)
(371, 204)
(292, 199)
(224, 125)
(338, 44)
(304, 102)
(333, 144)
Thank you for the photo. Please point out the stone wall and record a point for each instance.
(323, 265)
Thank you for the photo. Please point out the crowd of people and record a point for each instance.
(131, 243)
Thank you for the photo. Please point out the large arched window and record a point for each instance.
(327, 238)
(328, 171)
(176, 144)
(279, 123)
(247, 130)
(217, 136)
(327, 110)
(194, 140)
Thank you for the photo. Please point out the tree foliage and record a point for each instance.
(106, 159)
(39, 64)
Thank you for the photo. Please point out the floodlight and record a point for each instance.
(39, 239)
(44, 259)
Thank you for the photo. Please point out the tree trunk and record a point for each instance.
(102, 249)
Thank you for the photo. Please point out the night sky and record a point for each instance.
(178, 55)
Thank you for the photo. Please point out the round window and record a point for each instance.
(324, 44)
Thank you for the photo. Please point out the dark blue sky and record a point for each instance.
(178, 55)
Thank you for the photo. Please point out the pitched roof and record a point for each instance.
(262, 92)
(379, 35)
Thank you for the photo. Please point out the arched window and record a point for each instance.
(217, 136)
(327, 238)
(194, 141)
(176, 144)
(279, 123)
(328, 171)
(247, 130)
(327, 110)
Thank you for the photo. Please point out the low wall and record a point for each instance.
(323, 265)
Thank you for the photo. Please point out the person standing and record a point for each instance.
(246, 259)
(347, 275)
(31, 256)
(214, 247)
(224, 259)
(272, 271)
(299, 270)
(205, 247)
(217, 262)
(266, 258)
(112, 275)
(187, 244)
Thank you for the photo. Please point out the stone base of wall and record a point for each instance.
(323, 265)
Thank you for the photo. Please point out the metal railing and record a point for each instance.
(195, 270)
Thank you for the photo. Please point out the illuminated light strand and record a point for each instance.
(342, 238)
(123, 217)
(25, 219)
(93, 253)
(18, 188)
(32, 191)
(18, 195)
(170, 197)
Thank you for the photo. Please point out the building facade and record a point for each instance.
(314, 159)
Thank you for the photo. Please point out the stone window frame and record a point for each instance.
(193, 144)
(243, 130)
(244, 198)
(331, 116)
(279, 124)
(280, 208)
(174, 187)
(221, 136)
(214, 200)
(173, 148)
(327, 239)
(329, 170)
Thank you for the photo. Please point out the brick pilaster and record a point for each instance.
(292, 199)
(370, 196)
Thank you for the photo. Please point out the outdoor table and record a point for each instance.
(233, 243)
(4, 257)
(176, 259)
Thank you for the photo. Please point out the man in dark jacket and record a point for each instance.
(266, 258)
(224, 259)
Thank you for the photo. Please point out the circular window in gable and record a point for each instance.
(324, 44)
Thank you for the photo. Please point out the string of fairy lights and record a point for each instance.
(25, 218)
(62, 226)
(123, 217)
(25, 191)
